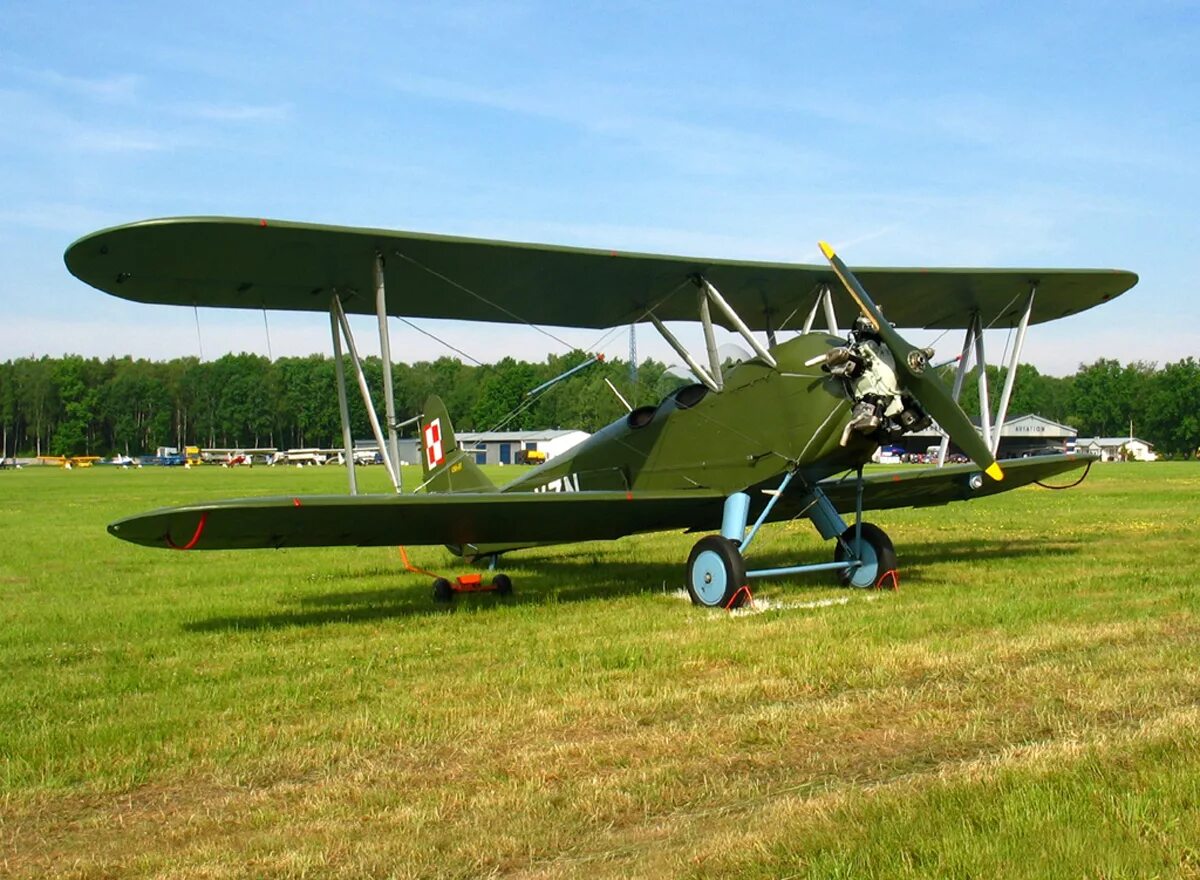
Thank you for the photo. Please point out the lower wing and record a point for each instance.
(470, 520)
(930, 487)
(462, 519)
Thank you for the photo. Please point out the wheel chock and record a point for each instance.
(743, 590)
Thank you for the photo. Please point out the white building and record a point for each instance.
(498, 447)
(501, 447)
(1117, 448)
(1031, 433)
(1028, 434)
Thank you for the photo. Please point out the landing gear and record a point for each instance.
(716, 570)
(716, 573)
(874, 551)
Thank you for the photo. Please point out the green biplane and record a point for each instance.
(781, 435)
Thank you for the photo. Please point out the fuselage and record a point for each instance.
(764, 420)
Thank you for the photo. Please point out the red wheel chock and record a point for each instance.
(742, 590)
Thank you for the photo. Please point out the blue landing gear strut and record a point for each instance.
(717, 576)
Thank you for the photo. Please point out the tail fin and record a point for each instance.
(446, 467)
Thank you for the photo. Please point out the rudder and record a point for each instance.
(445, 466)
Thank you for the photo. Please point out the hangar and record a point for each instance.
(497, 447)
(501, 447)
(1028, 434)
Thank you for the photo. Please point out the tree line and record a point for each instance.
(86, 406)
(1108, 399)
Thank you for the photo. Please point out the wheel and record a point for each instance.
(877, 554)
(502, 584)
(442, 591)
(715, 573)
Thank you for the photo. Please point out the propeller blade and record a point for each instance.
(932, 394)
(919, 377)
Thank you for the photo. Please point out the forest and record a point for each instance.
(86, 406)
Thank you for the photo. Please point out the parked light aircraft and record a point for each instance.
(782, 435)
(70, 461)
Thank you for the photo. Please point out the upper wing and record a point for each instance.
(261, 264)
(929, 487)
(387, 520)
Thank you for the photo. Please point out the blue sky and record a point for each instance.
(942, 133)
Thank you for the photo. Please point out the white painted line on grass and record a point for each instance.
(764, 604)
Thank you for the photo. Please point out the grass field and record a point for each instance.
(1026, 705)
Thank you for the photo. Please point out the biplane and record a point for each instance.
(783, 434)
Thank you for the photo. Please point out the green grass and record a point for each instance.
(1027, 704)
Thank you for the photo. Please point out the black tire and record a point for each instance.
(442, 591)
(879, 556)
(502, 584)
(716, 573)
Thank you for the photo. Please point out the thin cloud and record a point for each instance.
(94, 140)
(1038, 133)
(59, 217)
(117, 88)
(707, 149)
(237, 112)
(66, 131)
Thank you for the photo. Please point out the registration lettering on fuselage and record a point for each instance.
(567, 483)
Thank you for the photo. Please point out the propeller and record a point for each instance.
(919, 377)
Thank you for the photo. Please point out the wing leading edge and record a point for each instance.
(268, 264)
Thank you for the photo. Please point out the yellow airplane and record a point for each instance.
(70, 461)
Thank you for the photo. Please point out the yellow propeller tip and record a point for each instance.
(826, 250)
(994, 471)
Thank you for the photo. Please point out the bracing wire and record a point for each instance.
(267, 329)
(617, 328)
(436, 338)
(816, 288)
(788, 319)
(530, 401)
(525, 403)
(1001, 311)
(199, 341)
(518, 318)
(1007, 343)
(938, 338)
(483, 299)
(990, 323)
